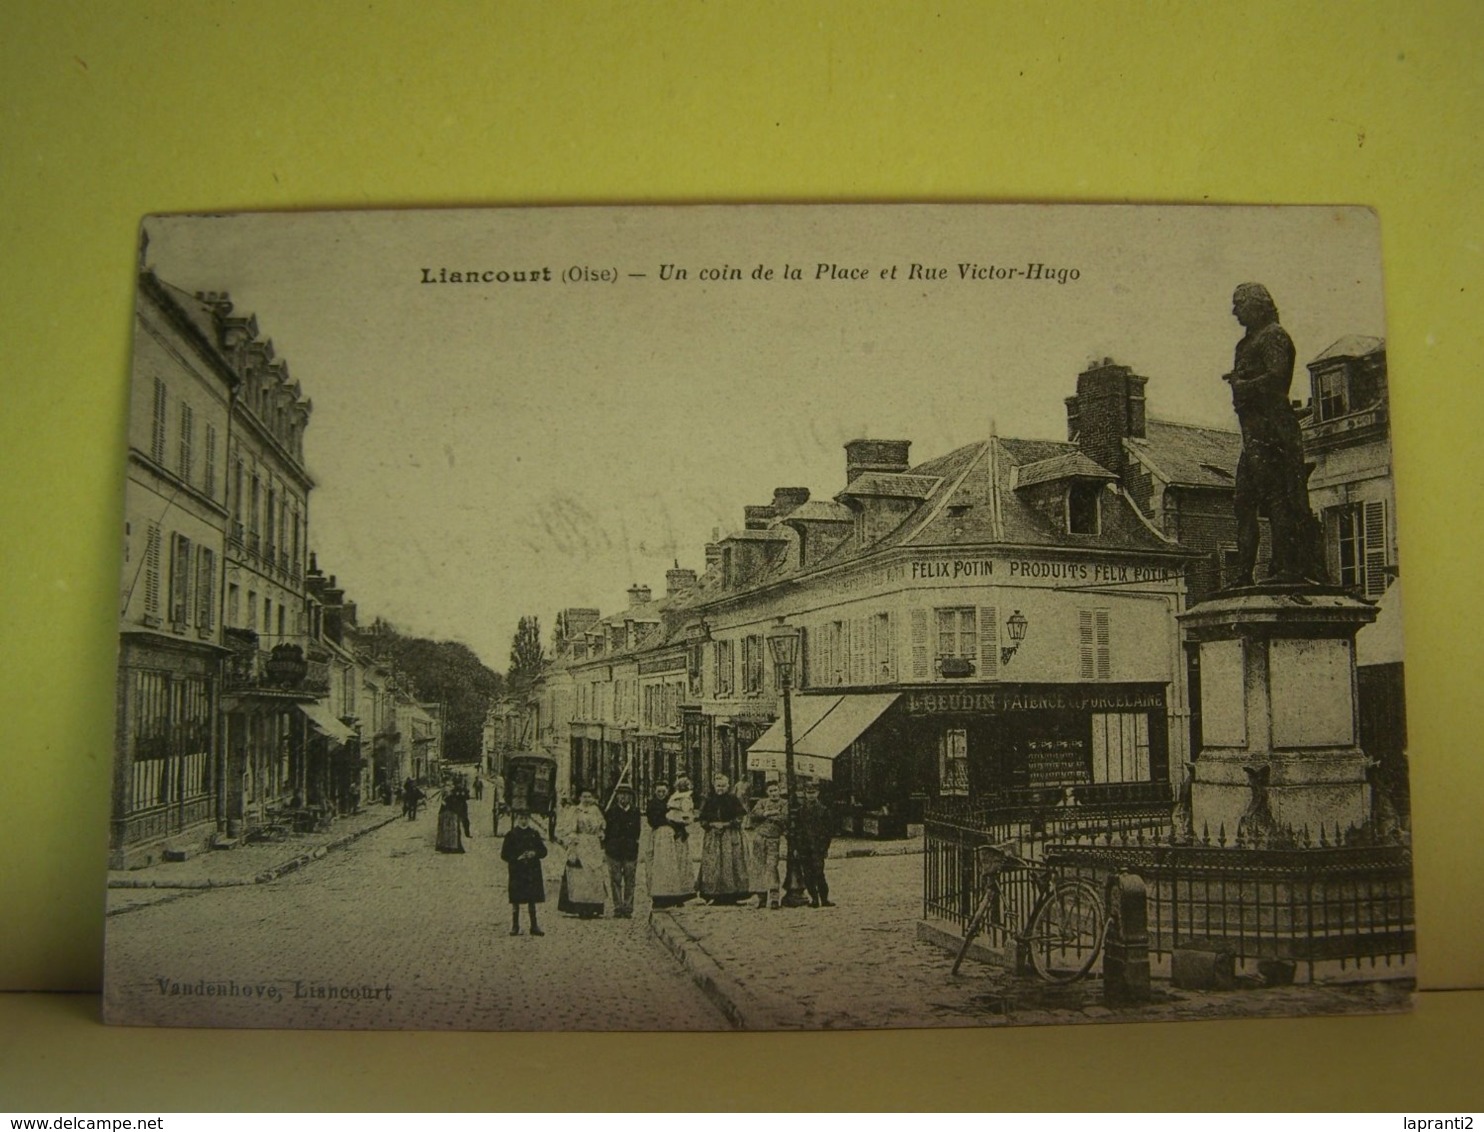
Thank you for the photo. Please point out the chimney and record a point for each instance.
(638, 594)
(863, 456)
(1108, 409)
(788, 499)
(713, 550)
(757, 518)
(678, 580)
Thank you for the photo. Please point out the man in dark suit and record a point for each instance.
(816, 828)
(621, 849)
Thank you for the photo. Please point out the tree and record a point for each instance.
(445, 672)
(527, 654)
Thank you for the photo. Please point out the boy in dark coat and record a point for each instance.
(522, 851)
(816, 828)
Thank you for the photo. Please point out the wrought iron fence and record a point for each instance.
(952, 885)
(1315, 904)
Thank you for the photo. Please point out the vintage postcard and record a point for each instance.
(762, 617)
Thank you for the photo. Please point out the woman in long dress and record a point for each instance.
(672, 880)
(453, 821)
(724, 877)
(768, 820)
(583, 891)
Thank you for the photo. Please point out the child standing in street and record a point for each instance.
(522, 852)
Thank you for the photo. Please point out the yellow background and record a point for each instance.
(113, 110)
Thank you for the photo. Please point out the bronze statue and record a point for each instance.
(1272, 479)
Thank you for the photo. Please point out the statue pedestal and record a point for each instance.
(1279, 721)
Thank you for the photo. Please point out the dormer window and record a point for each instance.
(1083, 503)
(1331, 395)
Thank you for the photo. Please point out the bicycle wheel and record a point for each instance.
(1065, 934)
(973, 927)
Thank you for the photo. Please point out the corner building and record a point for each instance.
(995, 621)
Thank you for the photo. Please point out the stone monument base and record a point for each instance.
(1278, 713)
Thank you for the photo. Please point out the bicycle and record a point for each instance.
(1063, 935)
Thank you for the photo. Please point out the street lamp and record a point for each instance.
(783, 642)
(1015, 626)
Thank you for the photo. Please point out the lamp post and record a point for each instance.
(783, 642)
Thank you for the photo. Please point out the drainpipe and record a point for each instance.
(223, 822)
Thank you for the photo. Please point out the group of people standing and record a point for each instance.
(740, 850)
(740, 845)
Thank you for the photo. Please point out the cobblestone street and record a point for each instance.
(860, 965)
(389, 912)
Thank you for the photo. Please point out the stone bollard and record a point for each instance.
(1126, 943)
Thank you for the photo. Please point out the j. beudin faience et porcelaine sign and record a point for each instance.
(768, 617)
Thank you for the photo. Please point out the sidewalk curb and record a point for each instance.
(712, 981)
(267, 875)
(895, 849)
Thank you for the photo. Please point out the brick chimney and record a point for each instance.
(757, 518)
(788, 499)
(875, 456)
(713, 550)
(638, 595)
(1108, 408)
(678, 580)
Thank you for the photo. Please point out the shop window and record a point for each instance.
(1120, 747)
(953, 763)
(1083, 502)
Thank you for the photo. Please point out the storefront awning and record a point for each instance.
(824, 726)
(325, 723)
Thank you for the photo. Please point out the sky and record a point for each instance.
(488, 450)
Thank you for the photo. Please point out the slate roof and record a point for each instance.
(893, 484)
(1187, 455)
(1067, 466)
(1352, 346)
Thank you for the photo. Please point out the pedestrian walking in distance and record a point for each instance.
(768, 820)
(583, 890)
(723, 871)
(522, 851)
(621, 848)
(411, 796)
(499, 804)
(672, 881)
(478, 788)
(453, 821)
(816, 823)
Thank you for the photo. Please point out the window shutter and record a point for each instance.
(1104, 657)
(803, 670)
(157, 431)
(210, 478)
(1088, 650)
(187, 422)
(205, 589)
(891, 648)
(989, 652)
(1375, 548)
(180, 582)
(152, 572)
(858, 651)
(920, 666)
